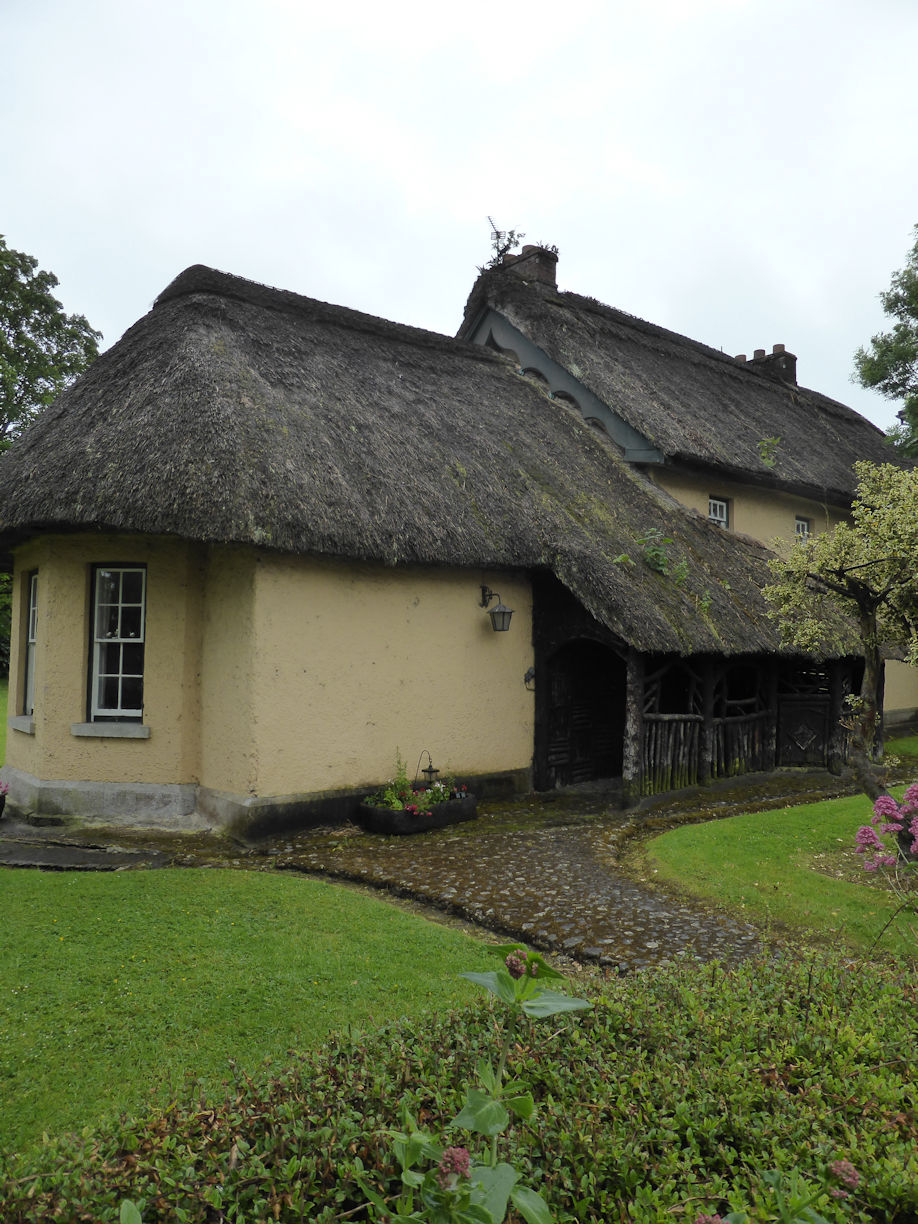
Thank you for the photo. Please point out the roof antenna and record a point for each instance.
(502, 243)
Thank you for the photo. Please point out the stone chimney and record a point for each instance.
(534, 263)
(779, 363)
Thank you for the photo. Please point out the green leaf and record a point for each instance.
(482, 1114)
(491, 1188)
(487, 1076)
(378, 1202)
(551, 1002)
(531, 1206)
(499, 983)
(523, 1105)
(129, 1213)
(543, 969)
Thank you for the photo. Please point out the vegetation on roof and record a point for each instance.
(694, 403)
(233, 413)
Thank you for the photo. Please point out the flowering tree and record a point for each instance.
(856, 587)
(890, 817)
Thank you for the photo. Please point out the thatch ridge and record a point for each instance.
(700, 407)
(237, 414)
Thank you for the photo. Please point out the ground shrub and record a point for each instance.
(670, 1098)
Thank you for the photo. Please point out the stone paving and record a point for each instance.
(45, 848)
(543, 870)
(552, 887)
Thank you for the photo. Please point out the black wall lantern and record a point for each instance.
(500, 615)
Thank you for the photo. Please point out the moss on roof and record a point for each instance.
(234, 413)
(700, 407)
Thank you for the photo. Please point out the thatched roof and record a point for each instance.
(238, 414)
(700, 407)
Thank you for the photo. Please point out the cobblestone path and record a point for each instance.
(550, 886)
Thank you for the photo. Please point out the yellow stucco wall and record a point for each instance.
(767, 515)
(228, 757)
(267, 675)
(764, 514)
(173, 634)
(354, 662)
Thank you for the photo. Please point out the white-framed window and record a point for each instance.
(719, 511)
(28, 699)
(802, 527)
(118, 618)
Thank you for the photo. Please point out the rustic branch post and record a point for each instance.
(706, 767)
(770, 745)
(837, 732)
(632, 764)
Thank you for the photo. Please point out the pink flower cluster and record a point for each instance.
(454, 1163)
(890, 817)
(518, 964)
(847, 1174)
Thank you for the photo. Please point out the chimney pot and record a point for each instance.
(741, 357)
(536, 263)
(779, 363)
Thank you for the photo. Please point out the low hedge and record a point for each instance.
(669, 1099)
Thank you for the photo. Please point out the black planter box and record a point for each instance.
(388, 820)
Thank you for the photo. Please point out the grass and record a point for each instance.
(905, 747)
(793, 866)
(4, 693)
(114, 986)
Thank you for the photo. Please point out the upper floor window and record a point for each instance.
(119, 604)
(802, 527)
(28, 698)
(719, 511)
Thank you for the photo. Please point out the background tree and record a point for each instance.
(42, 349)
(860, 577)
(890, 364)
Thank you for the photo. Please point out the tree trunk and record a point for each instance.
(867, 769)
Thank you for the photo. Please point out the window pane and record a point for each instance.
(132, 586)
(108, 586)
(33, 607)
(108, 692)
(107, 621)
(132, 659)
(130, 622)
(131, 693)
(109, 659)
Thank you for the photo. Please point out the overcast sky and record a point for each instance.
(742, 171)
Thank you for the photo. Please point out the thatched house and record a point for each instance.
(251, 547)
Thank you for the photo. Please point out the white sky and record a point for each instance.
(742, 171)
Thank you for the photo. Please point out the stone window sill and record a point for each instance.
(22, 722)
(111, 730)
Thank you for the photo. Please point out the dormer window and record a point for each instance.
(719, 511)
(802, 527)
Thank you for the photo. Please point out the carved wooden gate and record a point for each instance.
(586, 715)
(804, 709)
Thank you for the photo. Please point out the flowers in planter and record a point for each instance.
(417, 798)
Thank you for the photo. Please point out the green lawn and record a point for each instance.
(115, 986)
(794, 866)
(4, 687)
